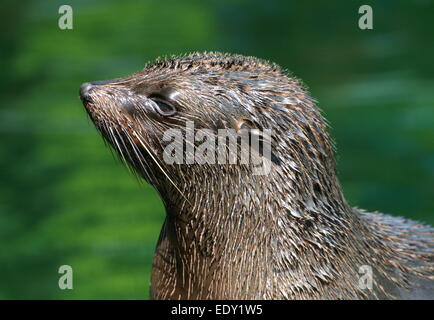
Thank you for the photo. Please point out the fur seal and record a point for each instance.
(231, 234)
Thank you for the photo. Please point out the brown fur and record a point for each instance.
(229, 234)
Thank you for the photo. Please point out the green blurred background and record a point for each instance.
(65, 200)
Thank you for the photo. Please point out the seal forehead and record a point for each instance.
(214, 61)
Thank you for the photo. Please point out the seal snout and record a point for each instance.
(85, 90)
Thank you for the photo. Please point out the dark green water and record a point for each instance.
(65, 200)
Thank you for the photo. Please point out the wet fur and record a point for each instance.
(231, 235)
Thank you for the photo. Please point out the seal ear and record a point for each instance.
(263, 137)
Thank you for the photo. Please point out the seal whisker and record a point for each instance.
(139, 158)
(159, 165)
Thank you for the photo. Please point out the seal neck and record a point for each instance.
(229, 243)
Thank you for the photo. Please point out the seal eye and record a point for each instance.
(164, 108)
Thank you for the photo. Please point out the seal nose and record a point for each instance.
(85, 91)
